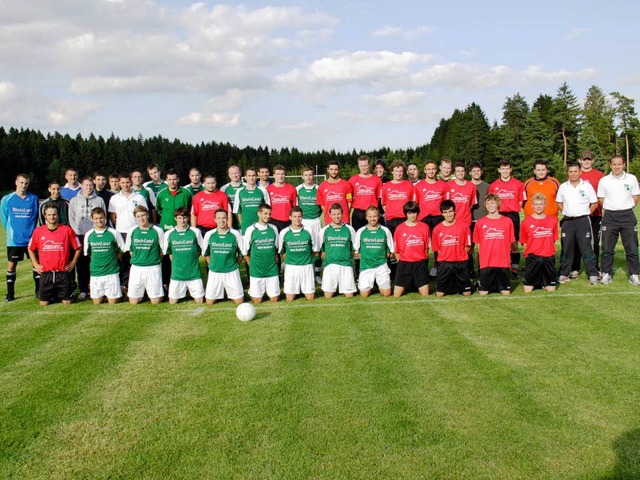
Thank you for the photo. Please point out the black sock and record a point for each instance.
(11, 284)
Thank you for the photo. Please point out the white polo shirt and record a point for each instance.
(618, 192)
(123, 207)
(576, 201)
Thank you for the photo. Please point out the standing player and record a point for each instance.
(170, 198)
(248, 199)
(366, 192)
(463, 194)
(538, 235)
(297, 247)
(395, 194)
(494, 236)
(446, 166)
(576, 199)
(263, 175)
(541, 182)
(311, 211)
(156, 184)
(207, 203)
(137, 185)
(413, 173)
(336, 244)
(19, 214)
(195, 182)
(114, 183)
(222, 248)
(144, 241)
(54, 197)
(100, 182)
(452, 240)
(334, 190)
(373, 245)
(55, 244)
(260, 244)
(510, 191)
(411, 240)
(231, 188)
(477, 211)
(183, 244)
(283, 196)
(618, 194)
(103, 245)
(72, 187)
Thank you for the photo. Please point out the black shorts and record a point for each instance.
(55, 285)
(279, 224)
(539, 272)
(392, 223)
(432, 221)
(494, 279)
(412, 274)
(515, 219)
(16, 254)
(358, 219)
(453, 277)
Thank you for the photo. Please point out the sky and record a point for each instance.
(337, 75)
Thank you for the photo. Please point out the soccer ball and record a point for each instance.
(246, 312)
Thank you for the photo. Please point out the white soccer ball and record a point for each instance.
(246, 312)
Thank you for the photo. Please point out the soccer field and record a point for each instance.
(539, 386)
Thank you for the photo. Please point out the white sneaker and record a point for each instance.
(593, 280)
(634, 280)
(574, 274)
(563, 279)
(606, 279)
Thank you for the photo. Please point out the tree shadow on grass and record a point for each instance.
(627, 448)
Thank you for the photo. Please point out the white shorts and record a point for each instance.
(313, 226)
(178, 288)
(299, 278)
(105, 286)
(258, 287)
(338, 276)
(380, 275)
(145, 278)
(218, 283)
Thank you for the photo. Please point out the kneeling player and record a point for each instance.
(336, 244)
(183, 245)
(373, 246)
(104, 245)
(538, 234)
(494, 235)
(297, 248)
(451, 240)
(261, 254)
(411, 239)
(222, 249)
(145, 244)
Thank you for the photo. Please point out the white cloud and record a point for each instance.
(395, 99)
(228, 120)
(408, 33)
(66, 112)
(297, 126)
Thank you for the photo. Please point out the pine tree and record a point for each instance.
(566, 111)
(514, 116)
(628, 124)
(537, 142)
(597, 133)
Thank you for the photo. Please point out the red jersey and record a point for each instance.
(464, 196)
(429, 196)
(339, 192)
(204, 207)
(54, 246)
(282, 200)
(449, 241)
(366, 191)
(510, 193)
(412, 242)
(494, 237)
(539, 235)
(394, 196)
(593, 176)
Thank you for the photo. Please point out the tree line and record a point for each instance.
(555, 128)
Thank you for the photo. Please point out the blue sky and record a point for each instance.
(311, 75)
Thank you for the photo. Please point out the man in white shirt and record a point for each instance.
(619, 193)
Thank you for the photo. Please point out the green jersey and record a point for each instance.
(184, 248)
(246, 203)
(307, 202)
(167, 202)
(145, 246)
(155, 187)
(261, 244)
(231, 190)
(337, 244)
(103, 247)
(148, 195)
(189, 188)
(297, 245)
(373, 245)
(223, 250)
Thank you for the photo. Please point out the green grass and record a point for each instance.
(539, 386)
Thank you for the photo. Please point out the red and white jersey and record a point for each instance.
(511, 194)
(539, 235)
(429, 197)
(465, 197)
(450, 241)
(282, 200)
(412, 242)
(494, 237)
(366, 191)
(204, 207)
(338, 192)
(593, 176)
(394, 196)
(54, 247)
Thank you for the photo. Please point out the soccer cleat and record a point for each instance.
(82, 296)
(606, 279)
(563, 279)
(9, 298)
(574, 274)
(593, 280)
(634, 280)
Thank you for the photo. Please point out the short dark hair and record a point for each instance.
(411, 207)
(447, 205)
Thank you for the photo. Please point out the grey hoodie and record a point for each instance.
(80, 212)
